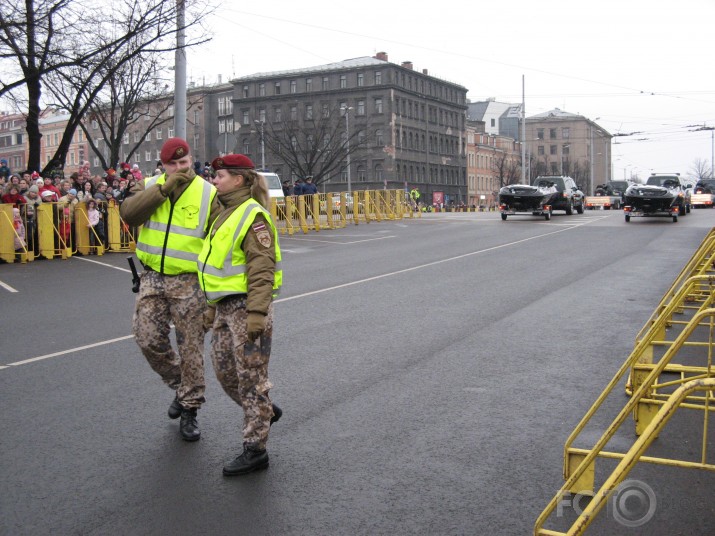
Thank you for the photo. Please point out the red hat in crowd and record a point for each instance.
(111, 171)
(35, 174)
(174, 149)
(124, 165)
(232, 161)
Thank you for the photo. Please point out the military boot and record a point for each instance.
(277, 413)
(188, 427)
(251, 459)
(175, 409)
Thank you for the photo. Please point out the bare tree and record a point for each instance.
(700, 169)
(507, 170)
(42, 42)
(314, 147)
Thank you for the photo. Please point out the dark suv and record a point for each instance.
(571, 197)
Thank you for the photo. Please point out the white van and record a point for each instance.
(275, 188)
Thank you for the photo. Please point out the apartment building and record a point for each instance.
(563, 143)
(414, 123)
(493, 161)
(13, 147)
(52, 127)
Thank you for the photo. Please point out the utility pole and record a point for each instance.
(263, 147)
(180, 73)
(346, 110)
(523, 133)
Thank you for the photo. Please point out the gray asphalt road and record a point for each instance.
(430, 371)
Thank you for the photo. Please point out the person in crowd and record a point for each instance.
(23, 185)
(239, 271)
(124, 170)
(100, 194)
(65, 186)
(96, 231)
(298, 187)
(4, 169)
(32, 201)
(19, 242)
(48, 186)
(12, 196)
(15, 179)
(86, 193)
(175, 210)
(136, 172)
(287, 190)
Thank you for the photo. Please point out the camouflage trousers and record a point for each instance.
(242, 366)
(164, 299)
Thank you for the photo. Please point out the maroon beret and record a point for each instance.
(232, 161)
(174, 149)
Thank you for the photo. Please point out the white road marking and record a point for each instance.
(71, 350)
(321, 291)
(7, 287)
(85, 259)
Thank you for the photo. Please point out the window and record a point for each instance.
(361, 137)
(309, 111)
(360, 79)
(378, 172)
(565, 132)
(343, 81)
(360, 107)
(246, 146)
(343, 107)
(169, 134)
(277, 114)
(148, 136)
(262, 115)
(493, 122)
(261, 90)
(245, 92)
(229, 125)
(378, 106)
(96, 161)
(326, 83)
(170, 111)
(221, 106)
(539, 133)
(197, 139)
(309, 84)
(136, 136)
(95, 125)
(294, 143)
(552, 133)
(158, 151)
(147, 156)
(293, 113)
(246, 119)
(540, 150)
(293, 86)
(277, 90)
(378, 77)
(554, 168)
(326, 111)
(565, 148)
(552, 149)
(125, 138)
(221, 126)
(361, 173)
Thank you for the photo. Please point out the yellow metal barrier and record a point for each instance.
(647, 404)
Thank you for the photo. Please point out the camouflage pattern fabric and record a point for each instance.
(164, 299)
(242, 366)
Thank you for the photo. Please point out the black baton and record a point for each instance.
(135, 276)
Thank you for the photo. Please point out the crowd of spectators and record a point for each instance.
(26, 191)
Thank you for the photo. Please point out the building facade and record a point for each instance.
(493, 161)
(13, 141)
(563, 143)
(414, 123)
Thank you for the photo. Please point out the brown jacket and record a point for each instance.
(260, 252)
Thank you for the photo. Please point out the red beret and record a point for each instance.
(174, 149)
(232, 161)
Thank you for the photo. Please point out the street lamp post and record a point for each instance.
(263, 147)
(346, 111)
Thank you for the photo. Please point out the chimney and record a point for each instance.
(381, 56)
(425, 71)
(407, 65)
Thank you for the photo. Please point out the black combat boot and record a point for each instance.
(188, 427)
(175, 408)
(277, 413)
(251, 459)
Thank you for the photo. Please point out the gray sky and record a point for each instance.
(637, 66)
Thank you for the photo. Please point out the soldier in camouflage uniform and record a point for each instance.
(239, 270)
(176, 209)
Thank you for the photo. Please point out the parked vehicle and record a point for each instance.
(570, 198)
(524, 199)
(607, 196)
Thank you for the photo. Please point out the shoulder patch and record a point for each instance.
(259, 226)
(263, 237)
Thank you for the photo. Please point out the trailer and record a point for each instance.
(701, 200)
(603, 202)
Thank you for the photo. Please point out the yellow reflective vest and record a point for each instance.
(222, 261)
(171, 239)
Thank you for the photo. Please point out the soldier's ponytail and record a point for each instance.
(259, 188)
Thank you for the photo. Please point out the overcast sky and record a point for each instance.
(629, 65)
